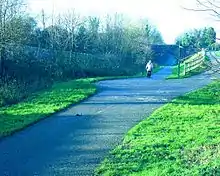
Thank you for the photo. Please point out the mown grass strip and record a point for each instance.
(45, 103)
(181, 138)
(196, 71)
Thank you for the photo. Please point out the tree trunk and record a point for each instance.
(2, 63)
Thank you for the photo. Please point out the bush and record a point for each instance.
(29, 69)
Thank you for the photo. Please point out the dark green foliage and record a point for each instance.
(33, 59)
(194, 40)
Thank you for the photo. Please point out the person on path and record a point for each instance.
(149, 68)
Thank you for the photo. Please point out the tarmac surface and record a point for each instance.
(66, 144)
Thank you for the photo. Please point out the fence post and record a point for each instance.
(203, 53)
(184, 70)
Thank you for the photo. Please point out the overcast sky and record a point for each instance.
(167, 15)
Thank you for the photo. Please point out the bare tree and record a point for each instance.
(210, 6)
(213, 8)
(71, 21)
(9, 9)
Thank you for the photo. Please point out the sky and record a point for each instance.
(167, 15)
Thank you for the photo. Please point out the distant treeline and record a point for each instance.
(69, 47)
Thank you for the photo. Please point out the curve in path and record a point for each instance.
(215, 64)
(66, 144)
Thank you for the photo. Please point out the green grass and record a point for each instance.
(196, 71)
(217, 53)
(174, 74)
(181, 138)
(45, 103)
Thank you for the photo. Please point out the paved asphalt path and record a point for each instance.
(66, 144)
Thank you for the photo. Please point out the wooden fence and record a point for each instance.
(191, 64)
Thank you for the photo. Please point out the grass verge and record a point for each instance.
(45, 103)
(181, 138)
(196, 71)
(217, 53)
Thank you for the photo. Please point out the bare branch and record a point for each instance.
(202, 4)
(212, 4)
(203, 10)
(217, 60)
(206, 6)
